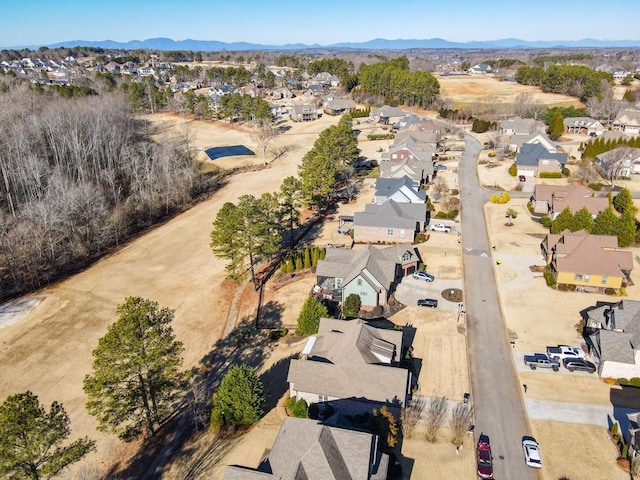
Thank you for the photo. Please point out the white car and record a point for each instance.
(531, 452)
(440, 227)
(420, 275)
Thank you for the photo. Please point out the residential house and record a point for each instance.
(603, 68)
(387, 115)
(304, 113)
(252, 90)
(410, 121)
(534, 158)
(338, 106)
(622, 161)
(282, 93)
(420, 171)
(322, 78)
(221, 90)
(370, 272)
(306, 449)
(552, 199)
(614, 333)
(627, 121)
(521, 130)
(146, 71)
(480, 68)
(402, 190)
(619, 73)
(293, 84)
(591, 263)
(317, 90)
(390, 222)
(351, 366)
(583, 126)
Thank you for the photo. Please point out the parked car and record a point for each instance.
(484, 457)
(344, 230)
(439, 227)
(522, 178)
(428, 302)
(593, 134)
(560, 352)
(541, 360)
(421, 275)
(440, 167)
(531, 452)
(574, 363)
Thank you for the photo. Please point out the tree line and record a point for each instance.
(393, 81)
(598, 146)
(76, 178)
(575, 80)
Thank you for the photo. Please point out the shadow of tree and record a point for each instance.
(275, 382)
(270, 315)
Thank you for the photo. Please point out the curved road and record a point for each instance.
(496, 395)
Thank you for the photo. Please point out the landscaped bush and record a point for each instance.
(421, 237)
(563, 287)
(572, 288)
(551, 280)
(452, 214)
(609, 291)
(546, 221)
(380, 136)
(504, 197)
(513, 170)
(494, 198)
(277, 334)
(455, 191)
(377, 311)
(441, 214)
(298, 408)
(566, 172)
(550, 175)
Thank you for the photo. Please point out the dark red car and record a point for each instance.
(485, 460)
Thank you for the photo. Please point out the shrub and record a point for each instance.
(380, 136)
(377, 311)
(550, 175)
(309, 319)
(596, 186)
(441, 214)
(551, 280)
(504, 197)
(609, 291)
(546, 221)
(452, 214)
(563, 287)
(572, 288)
(494, 198)
(421, 237)
(277, 334)
(351, 305)
(566, 172)
(481, 126)
(298, 408)
(609, 381)
(455, 191)
(239, 398)
(513, 170)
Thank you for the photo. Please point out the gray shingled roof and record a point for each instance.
(307, 450)
(388, 111)
(614, 346)
(386, 187)
(391, 214)
(531, 153)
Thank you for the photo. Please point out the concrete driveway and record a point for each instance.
(411, 289)
(518, 360)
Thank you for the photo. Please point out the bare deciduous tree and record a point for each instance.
(461, 418)
(411, 414)
(435, 416)
(439, 186)
(263, 131)
(586, 172)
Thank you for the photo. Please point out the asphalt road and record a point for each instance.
(495, 390)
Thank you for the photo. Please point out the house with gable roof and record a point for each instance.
(352, 366)
(402, 190)
(622, 161)
(589, 262)
(389, 222)
(387, 115)
(371, 272)
(535, 158)
(520, 130)
(338, 106)
(613, 330)
(553, 199)
(583, 126)
(480, 68)
(627, 121)
(306, 449)
(304, 113)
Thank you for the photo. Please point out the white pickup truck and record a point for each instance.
(560, 352)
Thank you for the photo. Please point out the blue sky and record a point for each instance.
(41, 22)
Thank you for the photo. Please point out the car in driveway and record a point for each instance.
(440, 167)
(428, 302)
(422, 275)
(531, 451)
(484, 457)
(575, 363)
(440, 227)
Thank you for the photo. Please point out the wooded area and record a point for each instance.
(76, 178)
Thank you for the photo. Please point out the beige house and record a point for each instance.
(553, 199)
(627, 121)
(352, 366)
(307, 449)
(389, 222)
(591, 263)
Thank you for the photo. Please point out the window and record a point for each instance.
(604, 280)
(359, 282)
(402, 232)
(406, 257)
(545, 162)
(578, 277)
(389, 232)
(395, 155)
(586, 278)
(323, 398)
(338, 282)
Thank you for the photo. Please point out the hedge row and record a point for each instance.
(306, 258)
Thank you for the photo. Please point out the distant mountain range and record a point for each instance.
(376, 44)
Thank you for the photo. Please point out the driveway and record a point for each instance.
(410, 290)
(518, 359)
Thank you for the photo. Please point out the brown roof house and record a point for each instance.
(614, 334)
(552, 199)
(389, 222)
(592, 263)
(352, 366)
(307, 450)
(338, 106)
(370, 272)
